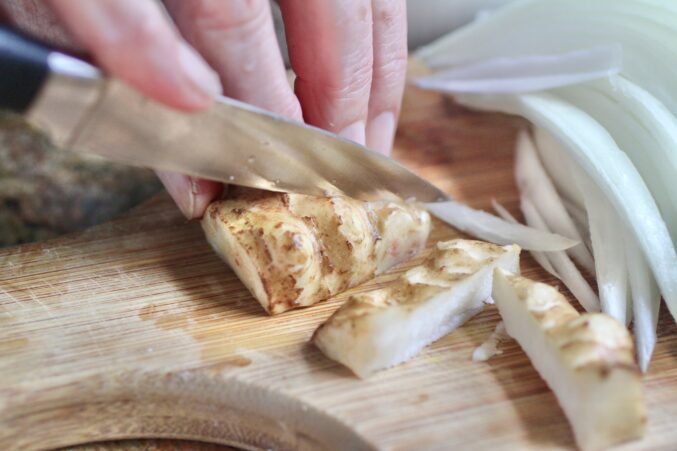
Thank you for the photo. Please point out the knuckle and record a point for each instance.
(143, 28)
(354, 81)
(390, 13)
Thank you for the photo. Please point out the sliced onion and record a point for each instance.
(534, 182)
(607, 234)
(644, 28)
(488, 227)
(529, 73)
(557, 165)
(598, 155)
(540, 257)
(580, 218)
(646, 302)
(569, 274)
(642, 127)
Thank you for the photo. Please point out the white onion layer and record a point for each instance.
(491, 228)
(607, 234)
(520, 74)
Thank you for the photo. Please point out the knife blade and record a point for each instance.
(83, 110)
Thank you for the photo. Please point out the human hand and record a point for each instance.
(349, 57)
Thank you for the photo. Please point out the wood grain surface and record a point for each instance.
(136, 329)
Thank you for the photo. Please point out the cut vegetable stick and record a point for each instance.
(608, 242)
(590, 146)
(486, 226)
(586, 360)
(535, 183)
(292, 250)
(384, 327)
(569, 274)
(646, 301)
(540, 257)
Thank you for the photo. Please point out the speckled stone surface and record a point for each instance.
(46, 192)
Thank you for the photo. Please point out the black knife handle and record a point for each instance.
(23, 70)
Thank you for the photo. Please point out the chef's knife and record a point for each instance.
(83, 110)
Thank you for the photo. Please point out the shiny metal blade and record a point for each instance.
(239, 144)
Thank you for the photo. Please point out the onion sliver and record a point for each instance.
(557, 165)
(646, 301)
(491, 228)
(569, 274)
(540, 257)
(607, 234)
(595, 151)
(529, 73)
(580, 218)
(534, 182)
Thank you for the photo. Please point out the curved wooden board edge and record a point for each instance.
(187, 404)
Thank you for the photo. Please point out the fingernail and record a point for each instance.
(183, 189)
(354, 132)
(201, 76)
(381, 132)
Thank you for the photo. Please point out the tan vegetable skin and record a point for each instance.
(384, 327)
(292, 250)
(587, 360)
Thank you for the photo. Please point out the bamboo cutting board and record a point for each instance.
(136, 329)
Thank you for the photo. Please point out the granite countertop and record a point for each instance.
(45, 192)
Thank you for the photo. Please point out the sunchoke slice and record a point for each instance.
(587, 360)
(384, 327)
(292, 250)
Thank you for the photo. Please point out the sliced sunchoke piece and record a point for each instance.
(292, 250)
(384, 327)
(587, 360)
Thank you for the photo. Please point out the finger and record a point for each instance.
(389, 76)
(190, 194)
(238, 39)
(133, 40)
(330, 48)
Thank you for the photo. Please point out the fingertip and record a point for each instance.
(204, 193)
(354, 132)
(191, 195)
(381, 133)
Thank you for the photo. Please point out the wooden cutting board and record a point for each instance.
(136, 329)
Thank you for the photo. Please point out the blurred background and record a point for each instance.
(45, 192)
